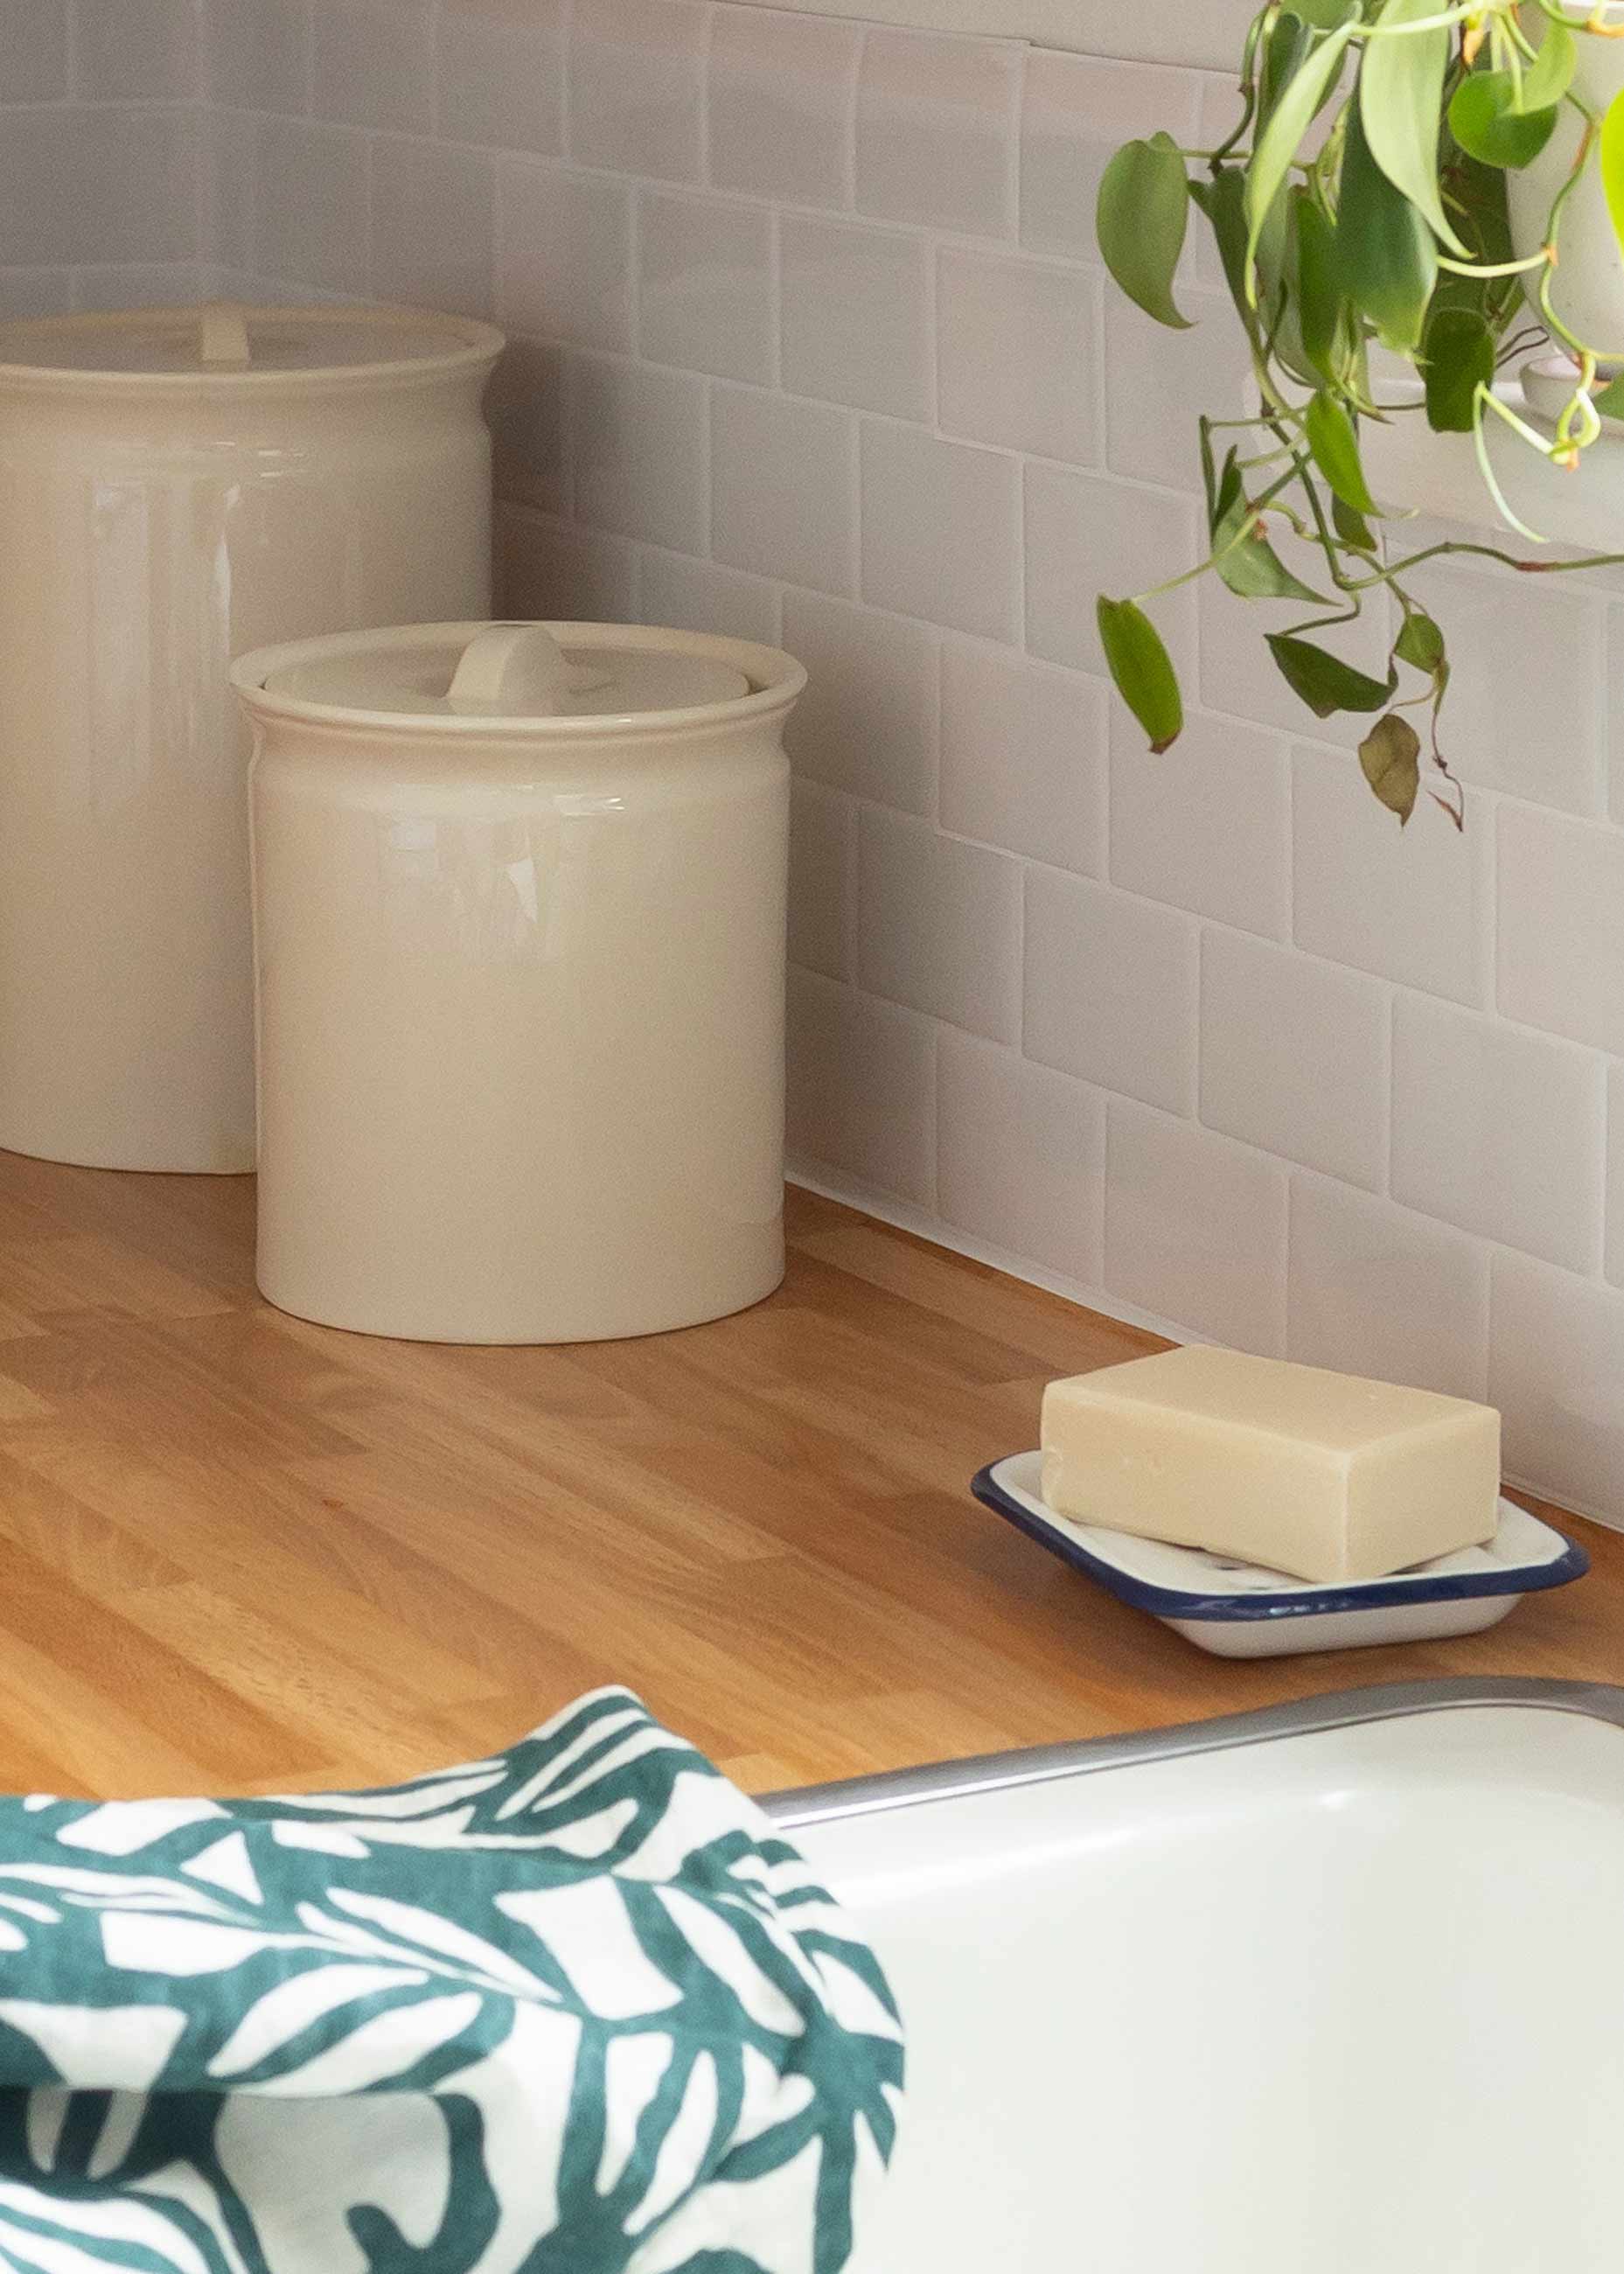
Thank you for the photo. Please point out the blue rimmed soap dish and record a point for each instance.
(1239, 1610)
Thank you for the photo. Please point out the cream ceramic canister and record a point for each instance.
(177, 486)
(519, 905)
(1587, 289)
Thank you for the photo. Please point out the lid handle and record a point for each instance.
(517, 671)
(225, 335)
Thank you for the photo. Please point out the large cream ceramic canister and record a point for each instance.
(519, 897)
(176, 487)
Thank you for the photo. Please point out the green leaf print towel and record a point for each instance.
(574, 2009)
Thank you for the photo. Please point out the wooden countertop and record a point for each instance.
(241, 1553)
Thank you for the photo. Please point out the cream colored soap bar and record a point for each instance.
(1320, 1474)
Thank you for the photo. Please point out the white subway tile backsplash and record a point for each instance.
(433, 221)
(1205, 826)
(1615, 712)
(1562, 925)
(1017, 352)
(135, 284)
(1556, 1361)
(501, 73)
(127, 48)
(699, 597)
(1527, 704)
(565, 268)
(1159, 382)
(823, 869)
(939, 925)
(1087, 534)
(866, 723)
(857, 314)
(863, 1087)
(1195, 1229)
(1021, 1156)
(782, 104)
(937, 130)
(1615, 1174)
(546, 568)
(373, 63)
(941, 530)
(1076, 111)
(25, 292)
(785, 335)
(704, 284)
(1023, 755)
(34, 50)
(1374, 1290)
(1414, 904)
(1499, 1132)
(1294, 1057)
(526, 408)
(255, 53)
(637, 438)
(1111, 990)
(99, 187)
(295, 200)
(784, 488)
(636, 87)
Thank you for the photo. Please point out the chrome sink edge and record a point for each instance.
(933, 1780)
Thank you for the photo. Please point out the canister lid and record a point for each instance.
(514, 673)
(230, 341)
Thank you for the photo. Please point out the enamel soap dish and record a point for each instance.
(1240, 1610)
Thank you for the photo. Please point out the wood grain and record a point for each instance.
(238, 1552)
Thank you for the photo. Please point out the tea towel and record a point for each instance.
(573, 2009)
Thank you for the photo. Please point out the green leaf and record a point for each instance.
(1613, 163)
(1420, 642)
(1142, 669)
(1326, 15)
(1384, 250)
(1252, 568)
(1140, 219)
(1334, 445)
(1288, 42)
(1279, 143)
(1352, 527)
(1224, 495)
(1323, 680)
(1401, 96)
(1319, 304)
(1222, 199)
(1458, 356)
(1391, 756)
(1609, 400)
(1486, 120)
(1548, 77)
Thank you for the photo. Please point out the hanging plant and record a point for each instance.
(1404, 175)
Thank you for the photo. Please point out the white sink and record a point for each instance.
(1336, 1989)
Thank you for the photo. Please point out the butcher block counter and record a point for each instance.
(240, 1552)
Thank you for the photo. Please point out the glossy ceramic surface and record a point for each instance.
(1588, 289)
(156, 521)
(520, 998)
(1240, 1610)
(1324, 1990)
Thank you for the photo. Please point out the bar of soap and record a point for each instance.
(1322, 1475)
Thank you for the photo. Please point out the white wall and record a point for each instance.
(812, 344)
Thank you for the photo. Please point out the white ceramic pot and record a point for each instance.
(175, 487)
(1588, 289)
(519, 923)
